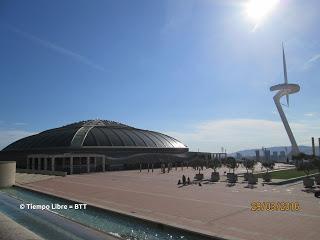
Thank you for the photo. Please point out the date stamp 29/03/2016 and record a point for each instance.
(257, 206)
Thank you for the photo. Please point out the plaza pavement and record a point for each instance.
(22, 178)
(213, 208)
(10, 230)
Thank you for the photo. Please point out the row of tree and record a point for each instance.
(303, 162)
(232, 164)
(306, 163)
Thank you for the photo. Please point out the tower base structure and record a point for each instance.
(284, 90)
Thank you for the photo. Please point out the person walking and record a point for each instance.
(184, 179)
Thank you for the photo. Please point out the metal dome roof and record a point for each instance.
(95, 133)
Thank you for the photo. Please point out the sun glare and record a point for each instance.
(259, 9)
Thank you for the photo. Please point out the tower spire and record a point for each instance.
(285, 72)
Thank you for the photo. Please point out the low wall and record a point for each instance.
(7, 173)
(292, 180)
(44, 172)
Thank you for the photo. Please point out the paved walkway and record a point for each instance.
(215, 209)
(22, 178)
(10, 230)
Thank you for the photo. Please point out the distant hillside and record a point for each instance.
(251, 152)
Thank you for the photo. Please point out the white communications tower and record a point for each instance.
(284, 90)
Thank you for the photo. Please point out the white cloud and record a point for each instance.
(310, 114)
(20, 124)
(56, 48)
(239, 134)
(310, 62)
(9, 136)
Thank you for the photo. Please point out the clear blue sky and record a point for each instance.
(198, 70)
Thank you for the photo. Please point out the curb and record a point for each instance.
(292, 180)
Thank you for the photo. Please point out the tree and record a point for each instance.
(231, 163)
(301, 156)
(269, 165)
(197, 161)
(248, 164)
(224, 162)
(305, 165)
(316, 163)
(215, 164)
(304, 162)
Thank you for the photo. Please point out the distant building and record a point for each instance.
(282, 157)
(275, 156)
(238, 156)
(267, 155)
(206, 155)
(257, 155)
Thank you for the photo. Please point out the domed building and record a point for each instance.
(94, 145)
